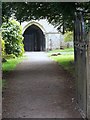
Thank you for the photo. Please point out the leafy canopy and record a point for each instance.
(59, 14)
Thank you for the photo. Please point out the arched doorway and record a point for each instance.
(34, 39)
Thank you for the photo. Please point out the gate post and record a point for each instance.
(0, 64)
(88, 77)
(80, 53)
(82, 61)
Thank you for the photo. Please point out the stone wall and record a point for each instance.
(53, 38)
(56, 41)
(53, 41)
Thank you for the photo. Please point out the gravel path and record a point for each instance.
(39, 88)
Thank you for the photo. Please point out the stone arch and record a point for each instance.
(35, 23)
(34, 37)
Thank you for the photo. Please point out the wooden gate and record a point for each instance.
(81, 62)
(34, 39)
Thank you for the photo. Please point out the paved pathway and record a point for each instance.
(39, 88)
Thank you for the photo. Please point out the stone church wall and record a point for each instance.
(53, 38)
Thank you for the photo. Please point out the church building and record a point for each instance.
(40, 35)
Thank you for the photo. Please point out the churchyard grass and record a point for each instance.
(65, 59)
(10, 65)
(62, 50)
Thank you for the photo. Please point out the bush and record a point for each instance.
(9, 56)
(3, 48)
(68, 36)
(12, 35)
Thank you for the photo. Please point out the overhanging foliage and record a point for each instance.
(58, 13)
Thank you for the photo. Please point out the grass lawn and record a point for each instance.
(62, 50)
(66, 59)
(9, 66)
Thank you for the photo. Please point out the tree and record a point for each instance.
(12, 35)
(60, 14)
(68, 36)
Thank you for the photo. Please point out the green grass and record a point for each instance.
(11, 64)
(62, 50)
(66, 59)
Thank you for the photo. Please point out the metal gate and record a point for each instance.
(80, 51)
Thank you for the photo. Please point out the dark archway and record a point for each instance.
(34, 39)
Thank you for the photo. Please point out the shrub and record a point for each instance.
(68, 36)
(9, 56)
(12, 35)
(3, 48)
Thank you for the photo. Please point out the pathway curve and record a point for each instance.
(39, 88)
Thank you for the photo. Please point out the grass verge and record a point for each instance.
(65, 60)
(9, 66)
(62, 50)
